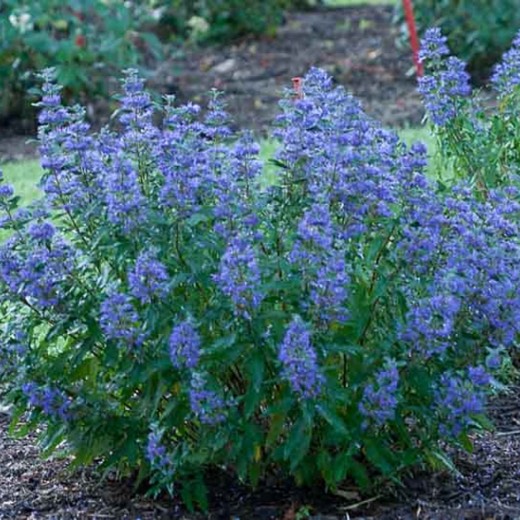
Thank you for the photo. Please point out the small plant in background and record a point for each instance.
(221, 20)
(165, 314)
(478, 31)
(476, 142)
(86, 40)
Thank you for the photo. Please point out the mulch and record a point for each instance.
(356, 45)
(487, 487)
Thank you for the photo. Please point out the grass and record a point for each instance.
(24, 175)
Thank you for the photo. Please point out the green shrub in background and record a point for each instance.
(478, 31)
(219, 20)
(86, 40)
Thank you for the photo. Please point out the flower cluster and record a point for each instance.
(184, 345)
(448, 81)
(120, 322)
(206, 404)
(157, 454)
(51, 401)
(37, 267)
(300, 361)
(380, 400)
(148, 279)
(239, 277)
(506, 77)
(470, 250)
(458, 402)
(355, 171)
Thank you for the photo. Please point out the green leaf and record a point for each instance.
(379, 455)
(54, 435)
(359, 473)
(298, 443)
(255, 369)
(439, 460)
(329, 414)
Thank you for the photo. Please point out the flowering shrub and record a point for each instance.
(164, 313)
(86, 41)
(476, 141)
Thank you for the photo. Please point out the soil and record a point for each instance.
(357, 45)
(487, 487)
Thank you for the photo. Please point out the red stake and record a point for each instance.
(414, 40)
(297, 84)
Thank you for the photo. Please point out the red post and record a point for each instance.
(414, 39)
(298, 87)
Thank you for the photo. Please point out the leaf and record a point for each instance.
(333, 419)
(440, 460)
(379, 455)
(466, 443)
(359, 473)
(200, 493)
(255, 367)
(255, 472)
(298, 443)
(52, 438)
(275, 430)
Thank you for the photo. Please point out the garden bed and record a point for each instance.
(488, 487)
(357, 45)
(253, 73)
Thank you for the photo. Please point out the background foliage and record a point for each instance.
(88, 41)
(478, 31)
(221, 20)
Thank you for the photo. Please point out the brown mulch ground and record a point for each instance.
(357, 45)
(488, 487)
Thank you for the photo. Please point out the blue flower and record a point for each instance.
(120, 322)
(148, 279)
(207, 406)
(506, 76)
(184, 345)
(433, 46)
(156, 453)
(380, 398)
(457, 403)
(40, 271)
(51, 401)
(239, 277)
(124, 197)
(446, 81)
(300, 361)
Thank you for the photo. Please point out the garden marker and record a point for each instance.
(414, 40)
(297, 87)
(80, 41)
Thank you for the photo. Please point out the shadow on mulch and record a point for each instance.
(357, 45)
(487, 487)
